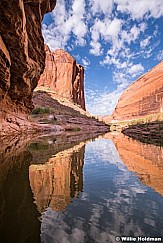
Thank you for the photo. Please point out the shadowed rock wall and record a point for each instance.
(22, 58)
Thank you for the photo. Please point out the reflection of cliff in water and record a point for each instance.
(143, 159)
(55, 173)
(111, 204)
(59, 179)
(18, 215)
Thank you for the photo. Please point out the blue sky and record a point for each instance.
(115, 40)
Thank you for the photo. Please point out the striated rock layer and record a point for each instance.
(143, 97)
(64, 76)
(22, 58)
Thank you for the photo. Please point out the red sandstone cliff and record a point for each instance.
(64, 76)
(143, 97)
(22, 58)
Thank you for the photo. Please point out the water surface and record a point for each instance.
(62, 190)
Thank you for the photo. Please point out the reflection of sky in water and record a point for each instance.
(113, 203)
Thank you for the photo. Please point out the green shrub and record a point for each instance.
(40, 110)
(73, 129)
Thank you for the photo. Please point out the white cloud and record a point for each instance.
(103, 103)
(121, 56)
(120, 41)
(145, 42)
(135, 70)
(124, 71)
(85, 62)
(101, 6)
(106, 31)
(134, 32)
(67, 22)
(95, 48)
(121, 77)
(159, 56)
(98, 28)
(139, 9)
(113, 29)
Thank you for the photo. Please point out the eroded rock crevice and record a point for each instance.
(22, 57)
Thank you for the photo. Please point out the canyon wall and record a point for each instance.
(22, 58)
(143, 97)
(64, 76)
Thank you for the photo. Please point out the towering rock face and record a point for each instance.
(63, 75)
(143, 97)
(22, 58)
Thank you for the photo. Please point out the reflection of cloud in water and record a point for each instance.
(105, 151)
(58, 230)
(112, 203)
(142, 159)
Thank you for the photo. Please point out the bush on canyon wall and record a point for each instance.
(40, 110)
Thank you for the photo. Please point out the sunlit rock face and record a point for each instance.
(143, 97)
(143, 159)
(59, 179)
(22, 58)
(63, 75)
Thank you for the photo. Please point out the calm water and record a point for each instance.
(57, 190)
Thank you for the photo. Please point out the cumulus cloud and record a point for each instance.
(145, 42)
(139, 9)
(159, 56)
(103, 103)
(96, 48)
(85, 61)
(106, 30)
(135, 70)
(67, 22)
(101, 6)
(80, 18)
